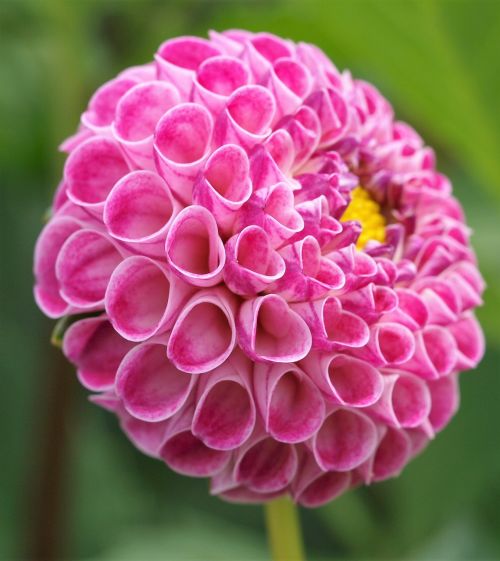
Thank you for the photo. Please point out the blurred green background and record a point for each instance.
(71, 486)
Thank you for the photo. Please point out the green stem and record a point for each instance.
(283, 530)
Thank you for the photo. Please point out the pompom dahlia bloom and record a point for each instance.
(272, 286)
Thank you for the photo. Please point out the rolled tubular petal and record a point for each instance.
(332, 327)
(291, 405)
(445, 400)
(392, 453)
(262, 50)
(469, 341)
(405, 403)
(178, 59)
(216, 79)
(185, 453)
(137, 115)
(96, 349)
(252, 264)
(270, 331)
(204, 332)
(194, 249)
(265, 465)
(308, 275)
(304, 129)
(290, 82)
(49, 244)
(314, 487)
(101, 111)
(224, 185)
(91, 171)
(345, 440)
(435, 353)
(139, 211)
(84, 266)
(150, 386)
(225, 411)
(247, 117)
(333, 114)
(143, 298)
(182, 142)
(344, 379)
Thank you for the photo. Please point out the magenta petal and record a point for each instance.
(445, 400)
(291, 405)
(97, 350)
(225, 412)
(204, 333)
(470, 342)
(268, 330)
(345, 441)
(151, 388)
(392, 454)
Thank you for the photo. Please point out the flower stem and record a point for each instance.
(283, 530)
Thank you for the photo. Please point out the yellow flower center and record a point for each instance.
(366, 211)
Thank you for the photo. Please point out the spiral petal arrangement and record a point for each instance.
(271, 284)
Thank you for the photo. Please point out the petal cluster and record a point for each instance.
(230, 306)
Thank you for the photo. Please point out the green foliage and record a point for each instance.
(438, 62)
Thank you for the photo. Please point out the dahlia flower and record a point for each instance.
(268, 281)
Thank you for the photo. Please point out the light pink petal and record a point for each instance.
(251, 263)
(47, 248)
(137, 115)
(268, 330)
(142, 298)
(84, 266)
(150, 386)
(225, 411)
(139, 211)
(91, 170)
(97, 350)
(445, 400)
(204, 332)
(405, 402)
(178, 59)
(345, 441)
(182, 142)
(345, 380)
(291, 405)
(194, 249)
(247, 118)
(224, 185)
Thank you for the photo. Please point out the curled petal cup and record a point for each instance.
(392, 454)
(139, 211)
(187, 454)
(224, 185)
(405, 403)
(371, 302)
(345, 380)
(252, 264)
(308, 275)
(194, 249)
(332, 327)
(331, 108)
(304, 129)
(269, 331)
(225, 413)
(262, 50)
(445, 400)
(216, 79)
(411, 310)
(389, 344)
(313, 487)
(137, 115)
(435, 353)
(291, 405)
(47, 248)
(346, 440)
(265, 465)
(143, 298)
(204, 332)
(182, 143)
(150, 386)
(101, 111)
(470, 342)
(97, 350)
(247, 117)
(178, 59)
(280, 147)
(91, 170)
(290, 82)
(84, 266)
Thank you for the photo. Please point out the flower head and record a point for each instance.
(276, 284)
